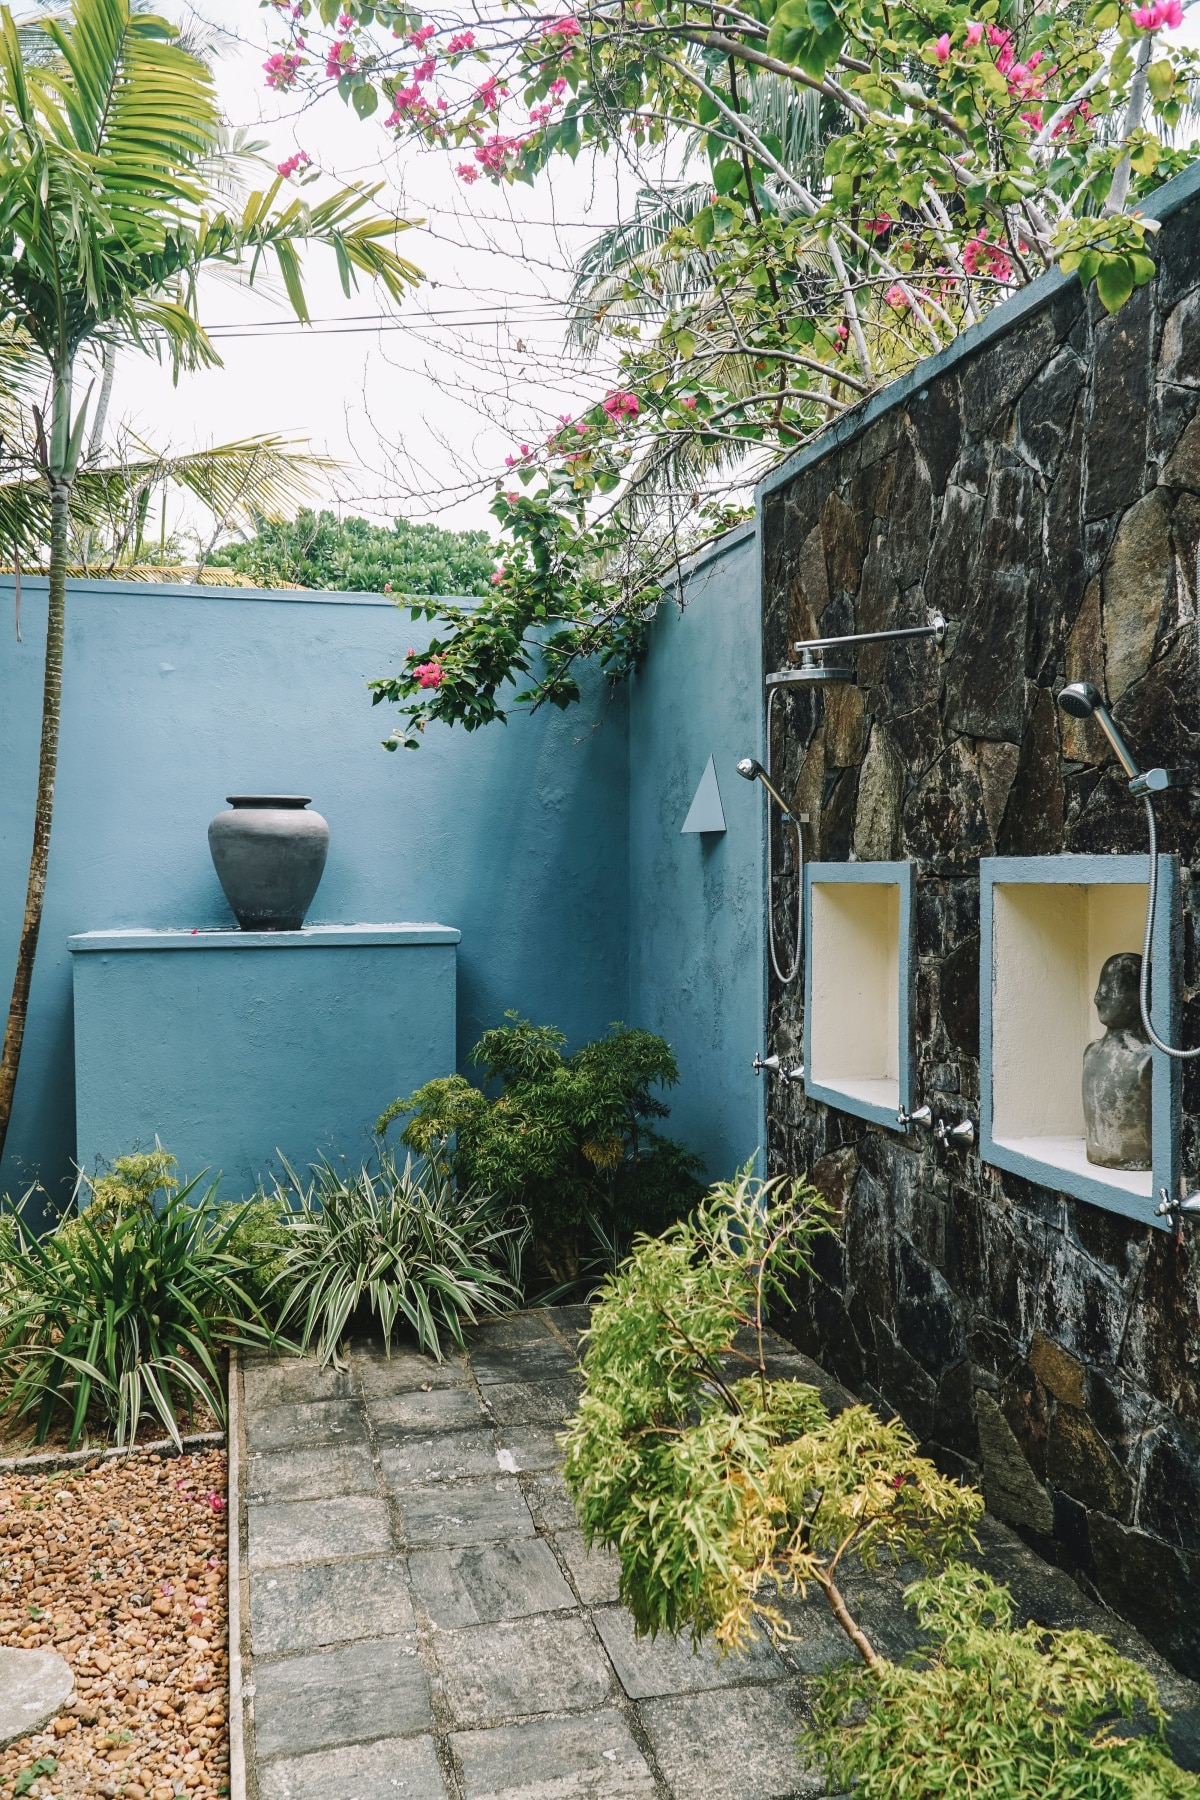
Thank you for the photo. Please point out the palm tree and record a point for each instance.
(113, 181)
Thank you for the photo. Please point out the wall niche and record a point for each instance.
(859, 961)
(1048, 924)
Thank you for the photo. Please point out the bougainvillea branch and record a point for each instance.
(960, 150)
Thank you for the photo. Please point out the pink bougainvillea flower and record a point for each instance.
(897, 297)
(564, 28)
(340, 61)
(983, 258)
(512, 498)
(877, 226)
(467, 172)
(422, 36)
(429, 674)
(294, 163)
(942, 48)
(974, 33)
(345, 22)
(462, 40)
(689, 400)
(282, 71)
(620, 405)
(216, 1501)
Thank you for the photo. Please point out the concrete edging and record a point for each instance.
(53, 1462)
(235, 1610)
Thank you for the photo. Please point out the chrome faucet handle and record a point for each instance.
(770, 1063)
(795, 1073)
(923, 1115)
(1167, 1208)
(962, 1133)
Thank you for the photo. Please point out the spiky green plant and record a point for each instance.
(397, 1243)
(124, 1318)
(990, 1710)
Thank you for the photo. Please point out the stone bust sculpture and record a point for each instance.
(1116, 1072)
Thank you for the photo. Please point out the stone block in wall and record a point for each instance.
(877, 820)
(1080, 1463)
(1082, 739)
(1036, 811)
(1134, 590)
(1060, 1373)
(1152, 1585)
(935, 424)
(1183, 466)
(843, 540)
(1116, 439)
(1047, 410)
(999, 372)
(985, 674)
(1012, 1491)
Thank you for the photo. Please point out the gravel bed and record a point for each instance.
(121, 1568)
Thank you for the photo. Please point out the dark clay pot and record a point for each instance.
(269, 854)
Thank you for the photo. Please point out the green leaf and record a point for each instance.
(1115, 281)
(1161, 79)
(1143, 268)
(703, 227)
(366, 99)
(726, 175)
(823, 17)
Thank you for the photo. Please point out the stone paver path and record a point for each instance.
(425, 1624)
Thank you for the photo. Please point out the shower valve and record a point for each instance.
(962, 1133)
(770, 1063)
(922, 1116)
(1175, 1210)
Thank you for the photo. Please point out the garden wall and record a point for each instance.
(1040, 486)
(175, 697)
(519, 836)
(696, 919)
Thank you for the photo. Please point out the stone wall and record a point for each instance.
(1040, 486)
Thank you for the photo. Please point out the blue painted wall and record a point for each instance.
(696, 950)
(175, 697)
(315, 1032)
(558, 857)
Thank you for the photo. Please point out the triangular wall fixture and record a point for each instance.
(706, 812)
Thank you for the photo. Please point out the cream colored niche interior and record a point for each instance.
(855, 960)
(1049, 945)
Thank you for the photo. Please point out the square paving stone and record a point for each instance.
(538, 1665)
(484, 1583)
(531, 1446)
(817, 1641)
(269, 1381)
(392, 1769)
(274, 1475)
(451, 1456)
(328, 1603)
(442, 1409)
(476, 1512)
(648, 1667)
(596, 1572)
(406, 1370)
(590, 1756)
(375, 1688)
(532, 1403)
(513, 1328)
(731, 1744)
(306, 1426)
(550, 1502)
(300, 1531)
(543, 1360)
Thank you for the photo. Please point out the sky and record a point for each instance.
(422, 412)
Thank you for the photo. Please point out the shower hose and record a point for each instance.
(784, 977)
(1148, 946)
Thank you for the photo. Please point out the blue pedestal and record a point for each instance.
(229, 1046)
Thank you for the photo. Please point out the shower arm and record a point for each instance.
(935, 629)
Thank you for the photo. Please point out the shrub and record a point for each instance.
(995, 1711)
(124, 1316)
(718, 1489)
(569, 1141)
(396, 1244)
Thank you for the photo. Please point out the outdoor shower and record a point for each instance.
(1082, 701)
(810, 672)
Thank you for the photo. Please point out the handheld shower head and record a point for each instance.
(752, 770)
(1082, 701)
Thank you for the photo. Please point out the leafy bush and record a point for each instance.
(124, 1315)
(995, 1711)
(318, 550)
(397, 1244)
(568, 1140)
(129, 1184)
(718, 1489)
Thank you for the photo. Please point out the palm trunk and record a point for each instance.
(18, 1007)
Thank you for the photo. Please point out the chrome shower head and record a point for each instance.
(752, 770)
(807, 672)
(1080, 700)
